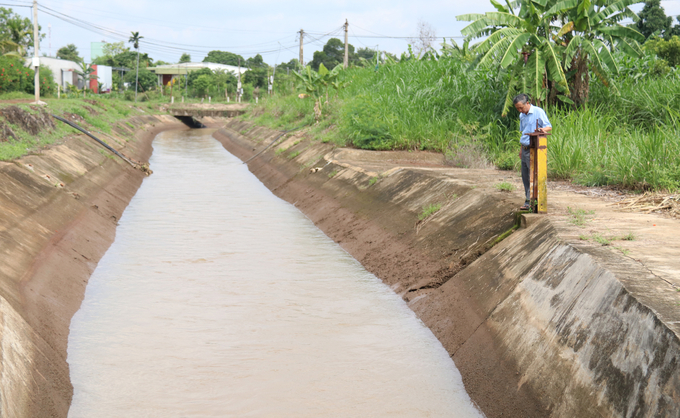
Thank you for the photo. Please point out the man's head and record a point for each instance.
(522, 103)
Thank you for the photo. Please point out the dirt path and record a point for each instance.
(585, 217)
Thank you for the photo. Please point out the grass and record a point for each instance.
(578, 217)
(605, 241)
(293, 154)
(624, 251)
(372, 181)
(99, 115)
(332, 174)
(627, 139)
(429, 210)
(505, 186)
(629, 237)
(600, 239)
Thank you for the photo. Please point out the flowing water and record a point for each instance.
(218, 299)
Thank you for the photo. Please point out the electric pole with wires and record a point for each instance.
(302, 35)
(36, 49)
(345, 62)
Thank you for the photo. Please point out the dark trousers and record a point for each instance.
(526, 163)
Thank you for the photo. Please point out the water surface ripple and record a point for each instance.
(218, 299)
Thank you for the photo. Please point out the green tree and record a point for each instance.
(256, 62)
(145, 79)
(193, 75)
(69, 52)
(17, 30)
(675, 30)
(202, 83)
(134, 40)
(126, 59)
(653, 19)
(366, 53)
(114, 48)
(290, 65)
(223, 80)
(548, 60)
(224, 57)
(184, 58)
(333, 53)
(668, 50)
(257, 77)
(257, 72)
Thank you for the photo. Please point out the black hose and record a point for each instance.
(107, 146)
(275, 139)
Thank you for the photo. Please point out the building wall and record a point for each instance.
(63, 71)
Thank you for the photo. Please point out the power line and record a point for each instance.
(150, 43)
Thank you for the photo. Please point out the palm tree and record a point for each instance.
(134, 40)
(548, 39)
(11, 48)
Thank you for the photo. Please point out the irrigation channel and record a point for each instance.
(219, 299)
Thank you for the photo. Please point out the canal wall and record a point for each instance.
(537, 326)
(60, 206)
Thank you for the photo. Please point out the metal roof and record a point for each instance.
(187, 67)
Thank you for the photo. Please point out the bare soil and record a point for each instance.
(29, 122)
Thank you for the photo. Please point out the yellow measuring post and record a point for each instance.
(539, 176)
(542, 173)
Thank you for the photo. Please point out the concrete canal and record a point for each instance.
(219, 299)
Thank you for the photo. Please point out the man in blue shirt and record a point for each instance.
(528, 117)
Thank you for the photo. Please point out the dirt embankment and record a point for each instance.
(59, 208)
(538, 325)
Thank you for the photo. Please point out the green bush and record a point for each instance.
(507, 160)
(668, 50)
(366, 125)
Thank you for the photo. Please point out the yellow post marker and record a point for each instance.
(542, 173)
(539, 174)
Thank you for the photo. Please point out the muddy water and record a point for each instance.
(217, 299)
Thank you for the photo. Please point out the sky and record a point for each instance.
(270, 28)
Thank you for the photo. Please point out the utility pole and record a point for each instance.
(302, 35)
(345, 62)
(238, 87)
(36, 48)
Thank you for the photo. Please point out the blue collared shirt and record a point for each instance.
(527, 123)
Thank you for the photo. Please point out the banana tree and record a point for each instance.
(85, 72)
(590, 33)
(318, 83)
(534, 44)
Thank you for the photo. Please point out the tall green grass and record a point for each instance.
(628, 137)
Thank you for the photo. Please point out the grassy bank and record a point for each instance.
(25, 127)
(630, 139)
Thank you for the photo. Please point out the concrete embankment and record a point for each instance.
(59, 208)
(537, 326)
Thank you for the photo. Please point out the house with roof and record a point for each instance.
(167, 72)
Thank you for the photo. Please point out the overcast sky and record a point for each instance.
(171, 27)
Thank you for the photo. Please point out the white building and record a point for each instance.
(167, 72)
(64, 72)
